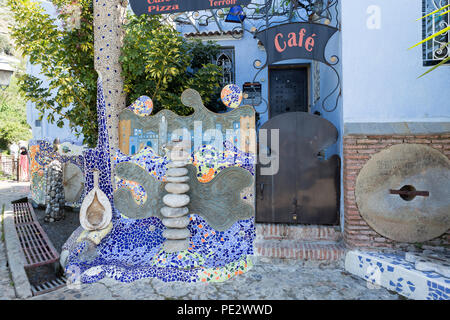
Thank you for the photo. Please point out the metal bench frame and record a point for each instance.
(36, 246)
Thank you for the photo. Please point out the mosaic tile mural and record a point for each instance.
(41, 154)
(133, 248)
(392, 271)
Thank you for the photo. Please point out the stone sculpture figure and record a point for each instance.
(54, 198)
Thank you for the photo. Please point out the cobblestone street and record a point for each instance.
(268, 279)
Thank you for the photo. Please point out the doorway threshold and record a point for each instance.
(300, 242)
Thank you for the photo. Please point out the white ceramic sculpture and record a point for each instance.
(95, 211)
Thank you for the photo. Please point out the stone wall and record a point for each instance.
(358, 149)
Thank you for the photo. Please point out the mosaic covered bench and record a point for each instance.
(392, 271)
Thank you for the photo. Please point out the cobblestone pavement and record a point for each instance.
(8, 191)
(268, 279)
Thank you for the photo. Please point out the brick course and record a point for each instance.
(292, 249)
(318, 243)
(358, 149)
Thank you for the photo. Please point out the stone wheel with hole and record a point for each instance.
(403, 193)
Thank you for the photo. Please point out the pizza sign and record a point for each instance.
(172, 6)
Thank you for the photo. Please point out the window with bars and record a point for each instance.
(437, 49)
(225, 60)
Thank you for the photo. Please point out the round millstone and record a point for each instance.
(177, 164)
(169, 212)
(177, 187)
(175, 245)
(176, 172)
(176, 200)
(177, 179)
(177, 223)
(405, 218)
(176, 234)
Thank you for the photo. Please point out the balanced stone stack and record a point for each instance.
(54, 198)
(176, 201)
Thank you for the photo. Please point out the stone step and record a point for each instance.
(271, 231)
(300, 250)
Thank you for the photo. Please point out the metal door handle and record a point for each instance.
(261, 186)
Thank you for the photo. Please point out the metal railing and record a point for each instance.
(437, 49)
(9, 167)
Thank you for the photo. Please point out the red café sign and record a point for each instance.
(171, 6)
(297, 40)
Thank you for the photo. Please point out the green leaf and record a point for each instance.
(436, 66)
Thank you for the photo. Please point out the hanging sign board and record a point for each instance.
(298, 40)
(171, 6)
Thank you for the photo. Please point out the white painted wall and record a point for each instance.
(380, 75)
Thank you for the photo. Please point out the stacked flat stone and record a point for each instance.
(54, 198)
(175, 211)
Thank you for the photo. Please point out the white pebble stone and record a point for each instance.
(177, 187)
(177, 164)
(177, 223)
(177, 179)
(176, 200)
(176, 234)
(175, 245)
(169, 212)
(176, 172)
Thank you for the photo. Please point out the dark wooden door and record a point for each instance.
(306, 189)
(288, 90)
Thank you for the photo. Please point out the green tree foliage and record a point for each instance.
(156, 61)
(13, 120)
(66, 59)
(160, 63)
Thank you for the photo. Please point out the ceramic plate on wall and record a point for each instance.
(231, 96)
